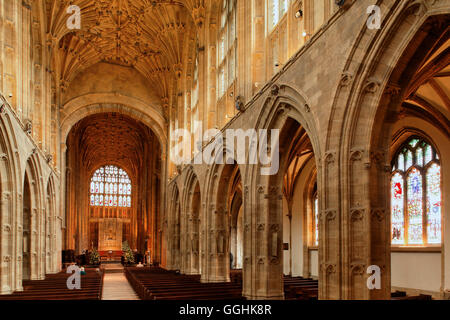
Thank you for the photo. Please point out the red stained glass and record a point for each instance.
(397, 221)
(417, 170)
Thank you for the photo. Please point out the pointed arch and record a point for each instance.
(370, 93)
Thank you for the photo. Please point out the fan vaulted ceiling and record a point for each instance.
(111, 138)
(153, 36)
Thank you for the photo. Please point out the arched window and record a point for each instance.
(227, 47)
(416, 195)
(110, 187)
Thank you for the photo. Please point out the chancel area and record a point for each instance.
(225, 149)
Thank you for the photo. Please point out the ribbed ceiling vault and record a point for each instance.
(111, 138)
(156, 37)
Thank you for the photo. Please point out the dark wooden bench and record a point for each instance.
(159, 284)
(54, 287)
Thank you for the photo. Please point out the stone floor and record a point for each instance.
(116, 286)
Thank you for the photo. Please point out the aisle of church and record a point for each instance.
(116, 286)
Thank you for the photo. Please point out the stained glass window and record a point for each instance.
(415, 207)
(109, 187)
(416, 195)
(397, 192)
(433, 181)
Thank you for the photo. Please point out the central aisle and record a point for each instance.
(116, 286)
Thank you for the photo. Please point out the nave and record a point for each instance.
(258, 150)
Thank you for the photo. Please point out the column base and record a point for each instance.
(260, 297)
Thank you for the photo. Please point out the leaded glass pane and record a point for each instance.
(105, 186)
(428, 154)
(397, 221)
(413, 143)
(434, 227)
(414, 203)
(419, 156)
(401, 162)
(409, 160)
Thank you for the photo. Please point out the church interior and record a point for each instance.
(112, 110)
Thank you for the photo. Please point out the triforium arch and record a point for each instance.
(190, 226)
(371, 91)
(285, 110)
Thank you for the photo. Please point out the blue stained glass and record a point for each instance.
(415, 211)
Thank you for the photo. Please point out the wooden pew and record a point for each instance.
(54, 287)
(160, 284)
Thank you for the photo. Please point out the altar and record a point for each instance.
(110, 235)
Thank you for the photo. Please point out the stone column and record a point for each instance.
(263, 238)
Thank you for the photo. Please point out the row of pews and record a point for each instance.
(159, 284)
(401, 295)
(295, 288)
(54, 287)
(299, 288)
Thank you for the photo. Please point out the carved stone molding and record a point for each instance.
(330, 158)
(328, 268)
(274, 261)
(379, 214)
(346, 79)
(357, 214)
(356, 155)
(358, 269)
(330, 215)
(260, 189)
(275, 90)
(392, 90)
(372, 85)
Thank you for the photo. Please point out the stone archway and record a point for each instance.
(173, 234)
(191, 226)
(10, 277)
(50, 251)
(359, 137)
(287, 111)
(33, 223)
(114, 139)
(222, 183)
